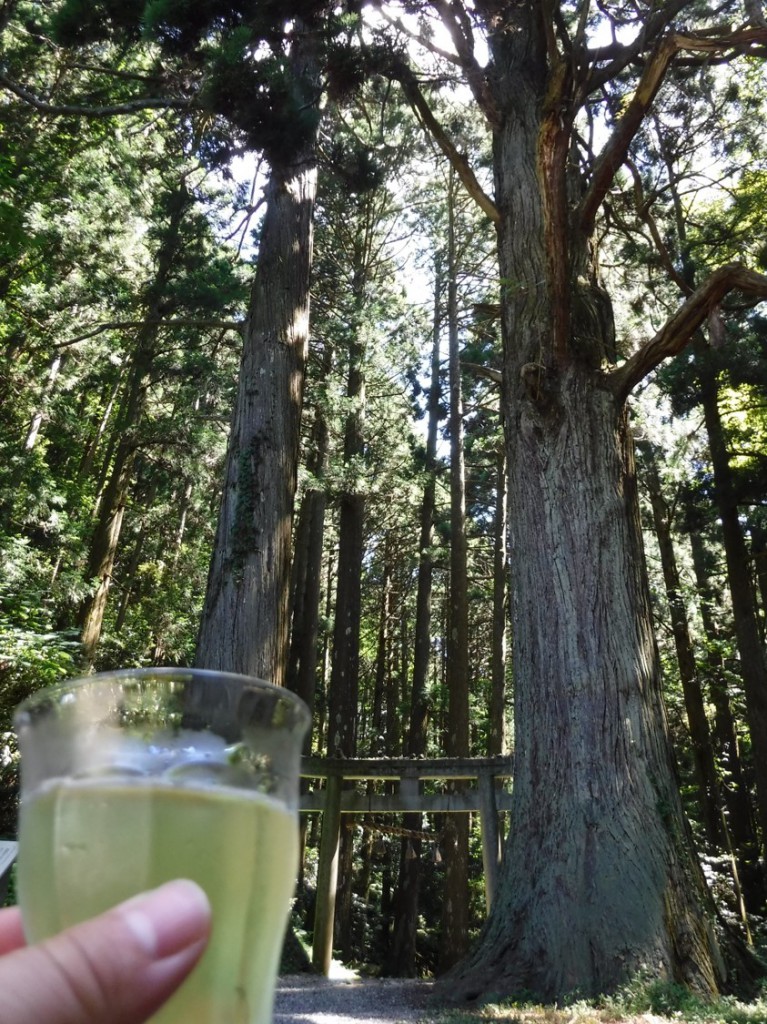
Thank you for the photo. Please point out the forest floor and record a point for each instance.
(348, 998)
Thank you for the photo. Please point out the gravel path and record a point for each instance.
(348, 999)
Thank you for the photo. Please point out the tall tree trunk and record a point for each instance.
(130, 578)
(39, 414)
(497, 731)
(307, 589)
(700, 734)
(111, 510)
(343, 696)
(344, 666)
(402, 949)
(599, 876)
(753, 666)
(111, 506)
(455, 907)
(245, 619)
(383, 710)
(734, 785)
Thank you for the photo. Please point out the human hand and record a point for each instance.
(118, 968)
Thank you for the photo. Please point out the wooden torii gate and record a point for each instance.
(337, 798)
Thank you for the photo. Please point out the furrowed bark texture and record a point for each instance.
(599, 878)
(244, 626)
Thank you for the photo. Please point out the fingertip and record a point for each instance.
(169, 919)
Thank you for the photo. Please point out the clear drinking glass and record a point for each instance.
(130, 779)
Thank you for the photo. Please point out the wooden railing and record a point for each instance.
(473, 788)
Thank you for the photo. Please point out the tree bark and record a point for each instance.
(302, 666)
(245, 620)
(599, 877)
(753, 666)
(402, 950)
(734, 785)
(111, 507)
(700, 734)
(105, 540)
(454, 940)
(497, 731)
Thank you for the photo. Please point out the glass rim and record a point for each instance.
(245, 682)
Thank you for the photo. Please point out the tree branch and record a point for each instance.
(457, 23)
(644, 214)
(404, 74)
(679, 329)
(114, 325)
(66, 109)
(614, 152)
(488, 372)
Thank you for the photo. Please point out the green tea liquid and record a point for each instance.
(89, 845)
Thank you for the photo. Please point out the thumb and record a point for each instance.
(114, 969)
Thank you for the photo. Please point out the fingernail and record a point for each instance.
(168, 919)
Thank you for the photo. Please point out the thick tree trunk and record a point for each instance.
(245, 620)
(599, 878)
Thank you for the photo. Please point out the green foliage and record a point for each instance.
(641, 999)
(281, 98)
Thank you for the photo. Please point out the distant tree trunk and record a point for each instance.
(129, 578)
(343, 695)
(245, 619)
(344, 663)
(700, 734)
(39, 414)
(402, 948)
(753, 666)
(734, 786)
(455, 907)
(106, 534)
(497, 731)
(383, 710)
(759, 555)
(307, 587)
(178, 541)
(86, 462)
(111, 506)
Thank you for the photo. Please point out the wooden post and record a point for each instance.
(327, 877)
(488, 819)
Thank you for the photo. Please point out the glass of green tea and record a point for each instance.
(133, 778)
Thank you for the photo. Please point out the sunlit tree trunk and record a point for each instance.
(599, 876)
(245, 620)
